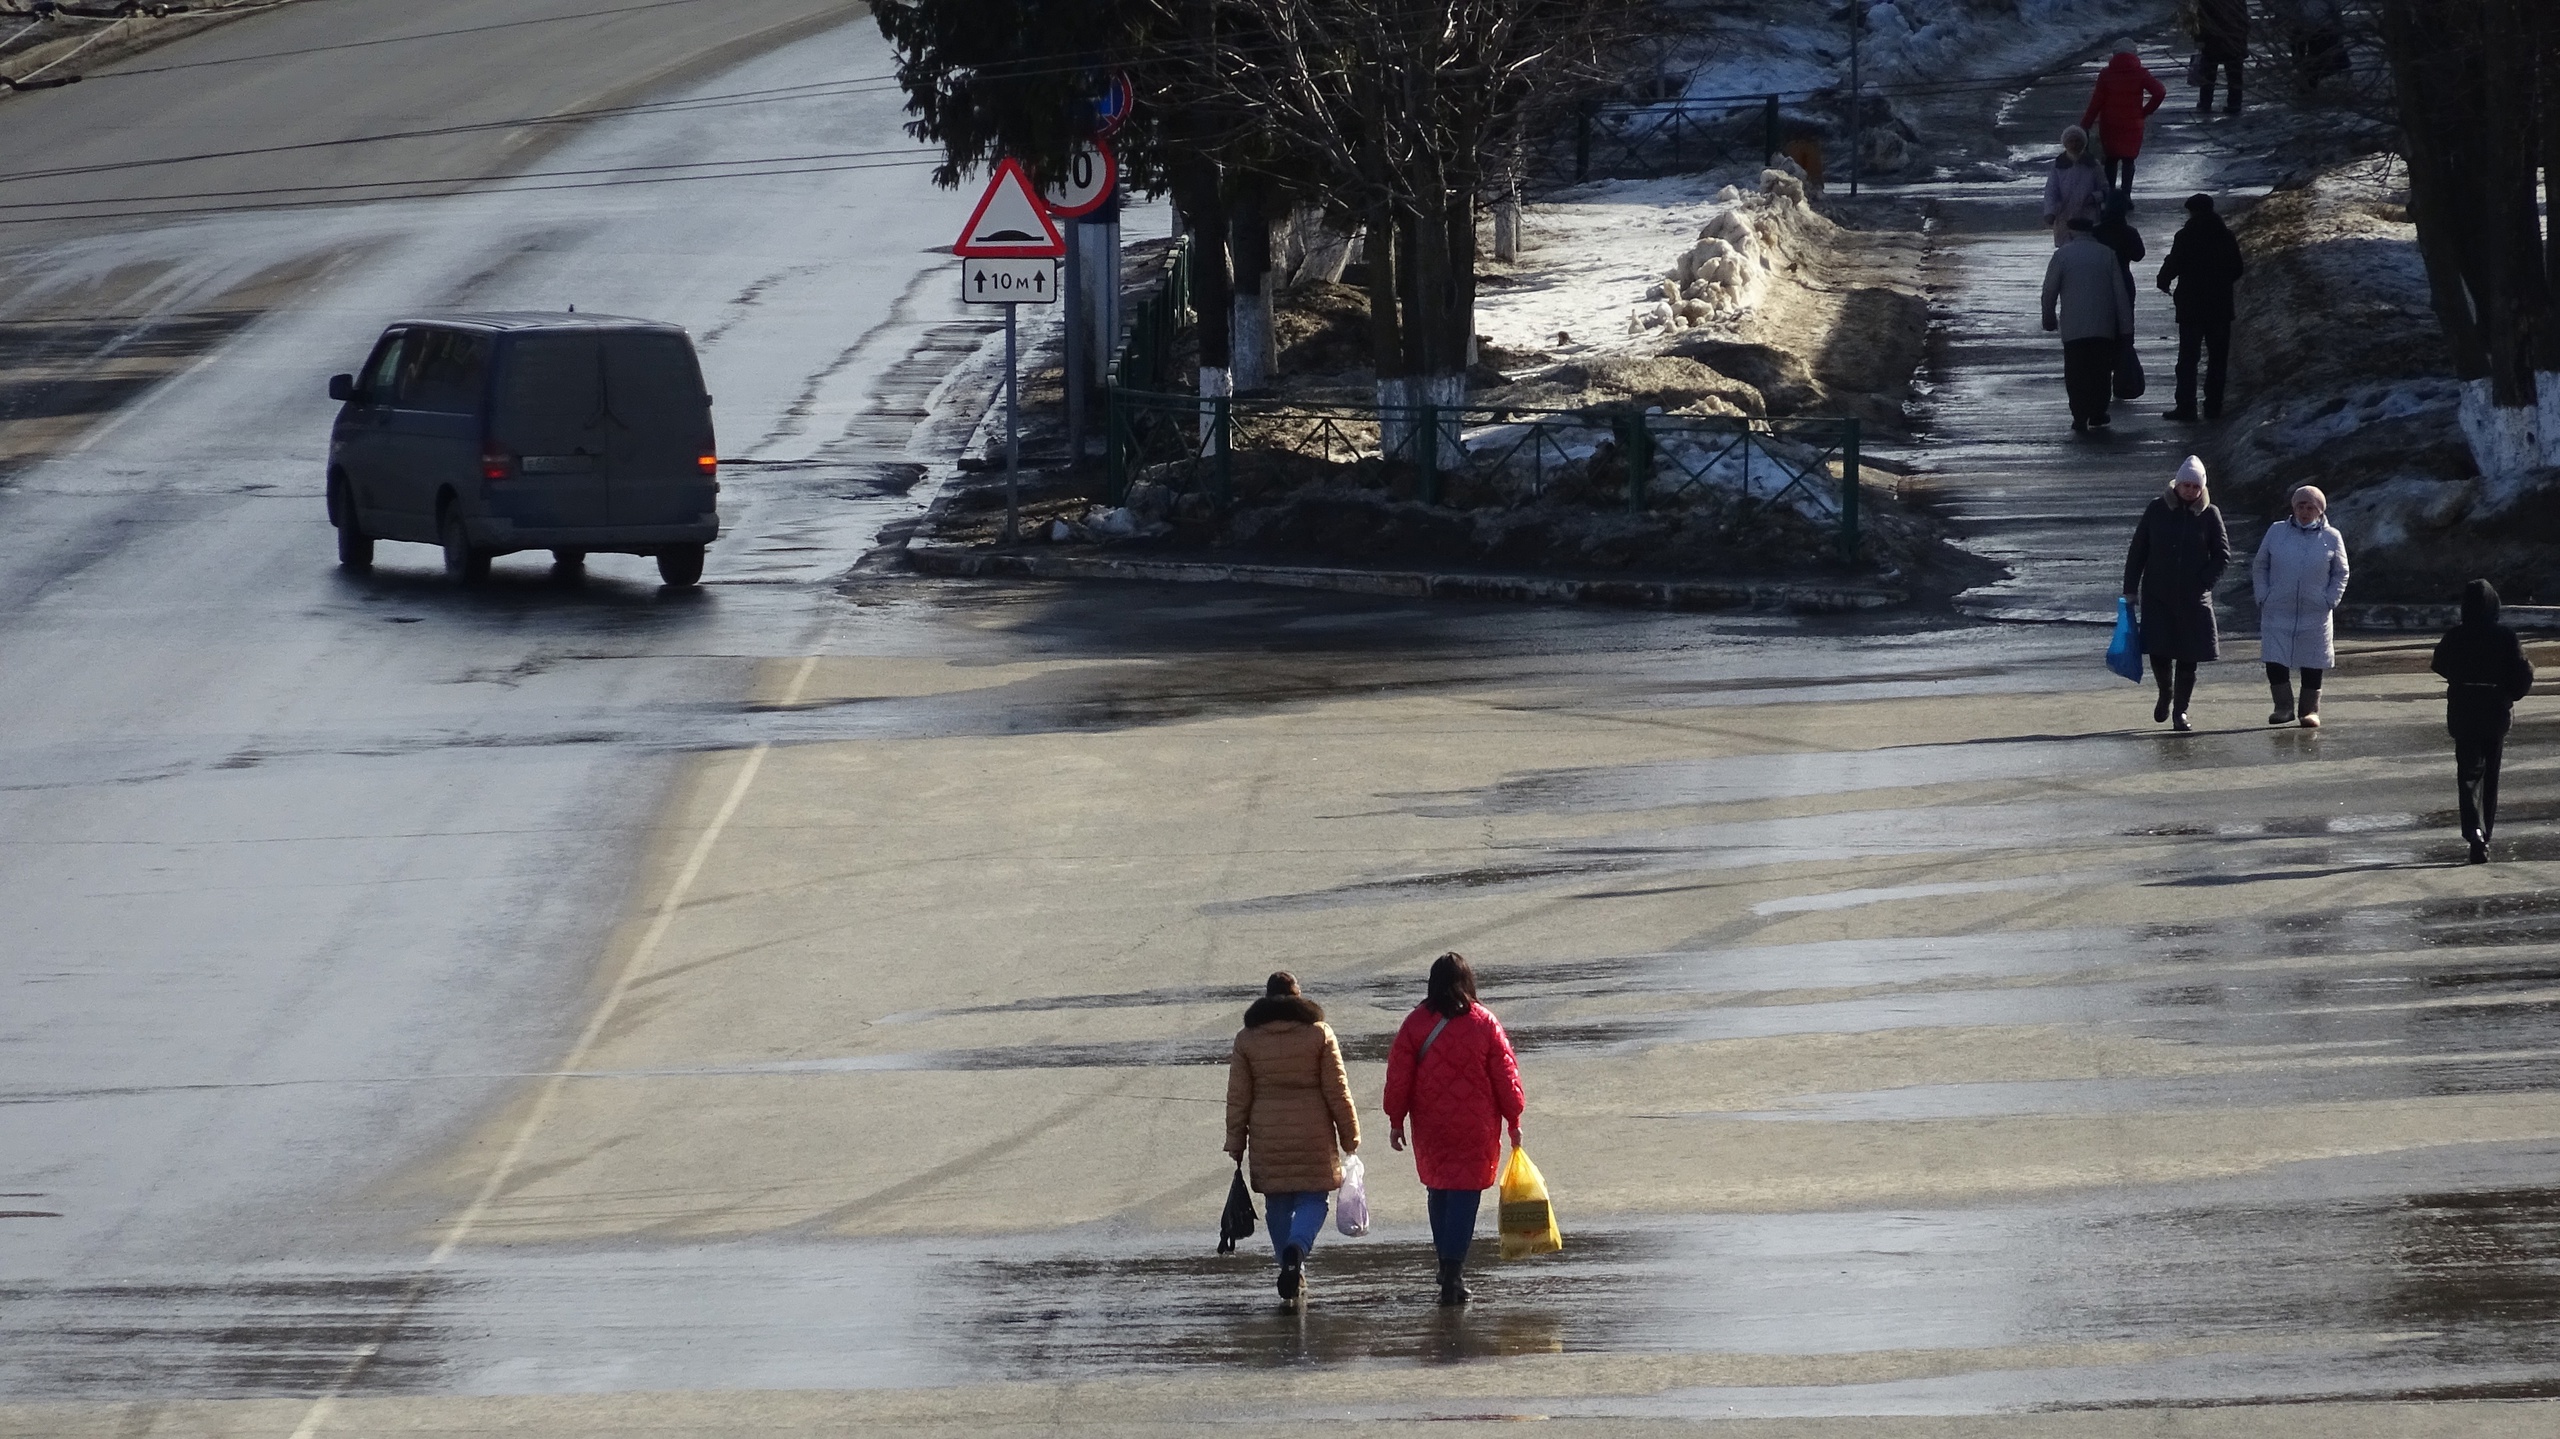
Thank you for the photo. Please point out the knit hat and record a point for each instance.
(2083, 222)
(2313, 491)
(2199, 204)
(2193, 469)
(2124, 46)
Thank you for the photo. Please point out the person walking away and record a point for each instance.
(2119, 105)
(2203, 272)
(2071, 191)
(2485, 673)
(2297, 577)
(2222, 47)
(2115, 231)
(2093, 311)
(1289, 1103)
(1451, 1072)
(2179, 551)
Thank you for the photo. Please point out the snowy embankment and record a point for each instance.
(2345, 383)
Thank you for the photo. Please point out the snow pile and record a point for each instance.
(1750, 238)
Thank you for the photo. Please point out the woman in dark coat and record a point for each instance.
(2178, 553)
(2485, 673)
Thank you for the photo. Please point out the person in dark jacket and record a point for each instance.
(2222, 47)
(2115, 231)
(2202, 271)
(2485, 673)
(2179, 550)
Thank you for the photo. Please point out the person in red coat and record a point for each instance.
(2119, 103)
(1452, 1073)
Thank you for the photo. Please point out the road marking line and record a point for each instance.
(549, 1098)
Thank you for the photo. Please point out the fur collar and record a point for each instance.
(1272, 1008)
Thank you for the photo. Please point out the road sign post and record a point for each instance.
(1009, 252)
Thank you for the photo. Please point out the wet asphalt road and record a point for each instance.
(1985, 1056)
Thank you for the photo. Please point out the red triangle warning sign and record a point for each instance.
(1010, 223)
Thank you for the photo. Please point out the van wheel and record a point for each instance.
(461, 561)
(681, 566)
(355, 547)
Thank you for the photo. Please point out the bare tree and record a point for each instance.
(1398, 111)
(2478, 86)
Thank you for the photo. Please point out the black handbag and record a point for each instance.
(1237, 1222)
(2129, 380)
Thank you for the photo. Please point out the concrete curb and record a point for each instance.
(2431, 619)
(957, 561)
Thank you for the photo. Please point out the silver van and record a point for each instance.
(493, 433)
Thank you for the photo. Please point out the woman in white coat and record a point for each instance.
(2298, 578)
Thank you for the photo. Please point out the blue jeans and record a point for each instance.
(1453, 1222)
(1295, 1218)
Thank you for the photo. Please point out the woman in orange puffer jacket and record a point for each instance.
(1289, 1101)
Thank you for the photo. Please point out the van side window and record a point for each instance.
(381, 383)
(444, 372)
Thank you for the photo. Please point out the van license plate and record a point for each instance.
(558, 464)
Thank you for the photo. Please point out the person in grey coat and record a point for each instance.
(2086, 300)
(2297, 578)
(2072, 190)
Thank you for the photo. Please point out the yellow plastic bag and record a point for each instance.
(1528, 1220)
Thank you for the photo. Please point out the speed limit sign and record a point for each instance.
(1092, 172)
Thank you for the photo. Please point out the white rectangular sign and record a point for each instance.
(1009, 282)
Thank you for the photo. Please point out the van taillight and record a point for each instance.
(708, 463)
(497, 464)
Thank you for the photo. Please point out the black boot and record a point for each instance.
(1292, 1275)
(2280, 684)
(1453, 1290)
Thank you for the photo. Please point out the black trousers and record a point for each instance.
(2213, 339)
(2478, 744)
(2119, 172)
(2280, 683)
(2088, 376)
(2177, 688)
(2218, 62)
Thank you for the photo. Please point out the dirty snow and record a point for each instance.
(1906, 40)
(1590, 255)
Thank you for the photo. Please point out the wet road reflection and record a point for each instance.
(2355, 1288)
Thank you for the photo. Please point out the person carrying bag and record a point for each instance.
(1452, 1074)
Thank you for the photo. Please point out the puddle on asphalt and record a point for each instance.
(278, 1335)
(2416, 1272)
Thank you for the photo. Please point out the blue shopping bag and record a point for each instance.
(2124, 652)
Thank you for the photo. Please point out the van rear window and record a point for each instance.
(566, 392)
(551, 395)
(653, 385)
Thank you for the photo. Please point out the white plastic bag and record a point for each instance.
(1351, 1202)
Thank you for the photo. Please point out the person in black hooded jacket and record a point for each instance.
(2485, 673)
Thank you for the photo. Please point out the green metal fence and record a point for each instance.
(1145, 361)
(1191, 446)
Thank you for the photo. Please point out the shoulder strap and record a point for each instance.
(1426, 1041)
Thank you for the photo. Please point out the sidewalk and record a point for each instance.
(2055, 507)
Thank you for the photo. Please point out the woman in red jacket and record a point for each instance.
(1451, 1071)
(2122, 100)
